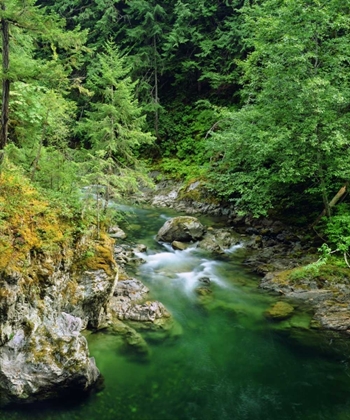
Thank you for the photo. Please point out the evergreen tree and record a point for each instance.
(204, 42)
(114, 124)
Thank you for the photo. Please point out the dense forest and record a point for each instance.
(252, 97)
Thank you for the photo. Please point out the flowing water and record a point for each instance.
(226, 361)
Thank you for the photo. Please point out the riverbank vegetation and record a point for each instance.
(250, 97)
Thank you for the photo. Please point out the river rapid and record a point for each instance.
(225, 361)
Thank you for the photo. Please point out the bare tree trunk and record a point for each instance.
(37, 157)
(332, 203)
(156, 98)
(6, 81)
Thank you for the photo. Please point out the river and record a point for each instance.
(226, 362)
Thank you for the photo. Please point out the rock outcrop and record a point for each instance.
(44, 305)
(45, 358)
(130, 303)
(328, 299)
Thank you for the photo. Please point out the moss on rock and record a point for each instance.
(279, 311)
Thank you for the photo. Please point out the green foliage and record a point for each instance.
(293, 128)
(40, 115)
(113, 125)
(181, 170)
(309, 271)
(337, 228)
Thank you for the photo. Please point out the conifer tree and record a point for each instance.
(114, 123)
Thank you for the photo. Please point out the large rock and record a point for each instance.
(132, 289)
(219, 240)
(130, 305)
(43, 308)
(148, 311)
(182, 229)
(45, 359)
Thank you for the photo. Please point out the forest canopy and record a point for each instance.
(250, 97)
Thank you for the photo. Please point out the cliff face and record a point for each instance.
(52, 285)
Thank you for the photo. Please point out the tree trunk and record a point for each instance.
(6, 81)
(332, 203)
(156, 99)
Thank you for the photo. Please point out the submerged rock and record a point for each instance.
(279, 311)
(182, 229)
(131, 338)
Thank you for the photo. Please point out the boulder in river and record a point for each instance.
(219, 240)
(117, 233)
(130, 305)
(182, 229)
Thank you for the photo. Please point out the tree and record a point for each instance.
(292, 134)
(23, 19)
(114, 124)
(204, 42)
(143, 40)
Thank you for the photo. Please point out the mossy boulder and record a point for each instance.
(182, 229)
(279, 311)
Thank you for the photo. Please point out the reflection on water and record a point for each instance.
(229, 363)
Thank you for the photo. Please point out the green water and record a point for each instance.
(228, 363)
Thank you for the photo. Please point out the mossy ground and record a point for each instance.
(34, 230)
(29, 224)
(330, 273)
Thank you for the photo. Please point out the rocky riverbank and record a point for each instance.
(284, 256)
(55, 283)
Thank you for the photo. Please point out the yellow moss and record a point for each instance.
(70, 291)
(95, 254)
(27, 223)
(283, 277)
(102, 259)
(4, 293)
